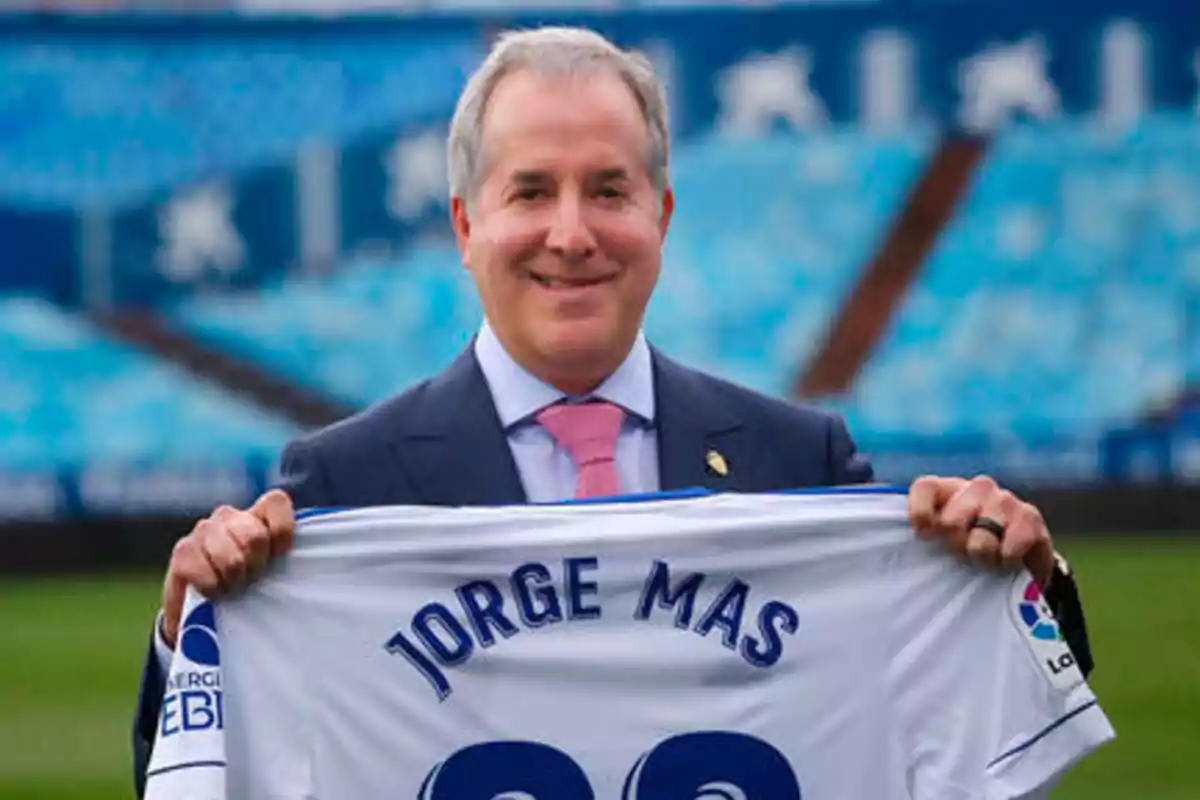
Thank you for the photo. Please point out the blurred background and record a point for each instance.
(971, 226)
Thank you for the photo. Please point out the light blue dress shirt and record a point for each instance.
(547, 471)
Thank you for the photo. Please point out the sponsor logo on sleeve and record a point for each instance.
(1043, 634)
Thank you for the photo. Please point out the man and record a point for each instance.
(560, 205)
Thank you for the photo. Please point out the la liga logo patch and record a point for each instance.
(1037, 615)
(1041, 632)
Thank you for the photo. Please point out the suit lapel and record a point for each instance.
(697, 434)
(453, 448)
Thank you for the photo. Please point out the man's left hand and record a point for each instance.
(949, 509)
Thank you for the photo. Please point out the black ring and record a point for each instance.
(990, 525)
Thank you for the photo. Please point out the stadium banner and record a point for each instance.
(110, 490)
(271, 145)
(1131, 457)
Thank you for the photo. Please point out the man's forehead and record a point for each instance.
(596, 157)
(538, 128)
(523, 175)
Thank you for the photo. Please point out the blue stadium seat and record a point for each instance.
(70, 397)
(360, 334)
(1060, 298)
(112, 122)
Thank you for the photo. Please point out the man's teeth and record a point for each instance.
(556, 283)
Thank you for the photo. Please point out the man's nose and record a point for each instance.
(569, 236)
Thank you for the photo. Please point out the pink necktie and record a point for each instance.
(588, 432)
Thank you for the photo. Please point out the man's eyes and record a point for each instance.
(530, 193)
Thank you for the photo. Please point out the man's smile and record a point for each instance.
(560, 283)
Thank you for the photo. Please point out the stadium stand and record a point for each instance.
(103, 120)
(363, 332)
(1055, 301)
(71, 398)
(751, 283)
(1059, 303)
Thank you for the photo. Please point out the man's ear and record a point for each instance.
(668, 208)
(460, 221)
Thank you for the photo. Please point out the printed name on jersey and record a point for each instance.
(438, 640)
(1041, 631)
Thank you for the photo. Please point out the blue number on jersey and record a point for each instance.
(507, 771)
(706, 765)
(712, 765)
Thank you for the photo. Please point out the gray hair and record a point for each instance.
(553, 51)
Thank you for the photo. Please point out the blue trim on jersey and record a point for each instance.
(1042, 733)
(677, 494)
(646, 497)
(319, 511)
(858, 488)
(639, 497)
(188, 765)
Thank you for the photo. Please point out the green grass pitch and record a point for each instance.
(71, 650)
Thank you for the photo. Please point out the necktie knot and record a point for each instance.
(588, 432)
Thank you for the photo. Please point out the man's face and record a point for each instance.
(565, 230)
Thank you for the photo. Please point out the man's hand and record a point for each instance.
(948, 509)
(225, 552)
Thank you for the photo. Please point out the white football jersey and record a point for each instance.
(715, 647)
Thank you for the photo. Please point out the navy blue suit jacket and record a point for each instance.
(441, 443)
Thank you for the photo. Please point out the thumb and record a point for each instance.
(174, 593)
(1040, 562)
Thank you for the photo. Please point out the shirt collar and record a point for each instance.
(519, 395)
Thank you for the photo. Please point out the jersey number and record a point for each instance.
(706, 765)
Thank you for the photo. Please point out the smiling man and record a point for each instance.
(558, 158)
(561, 220)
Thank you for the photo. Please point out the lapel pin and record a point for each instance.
(716, 462)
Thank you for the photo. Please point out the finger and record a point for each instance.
(226, 557)
(223, 514)
(1041, 561)
(191, 566)
(275, 510)
(1024, 529)
(983, 548)
(983, 545)
(251, 534)
(967, 504)
(1033, 546)
(926, 497)
(922, 505)
(188, 567)
(252, 537)
(174, 591)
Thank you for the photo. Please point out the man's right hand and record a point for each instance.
(225, 552)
